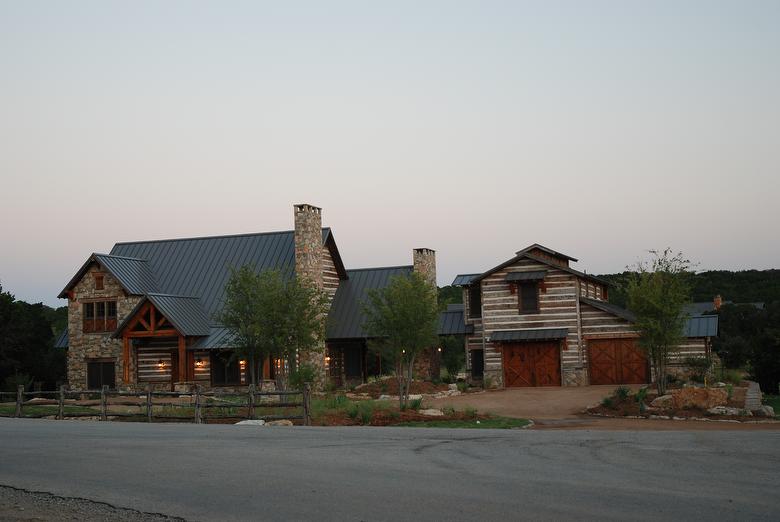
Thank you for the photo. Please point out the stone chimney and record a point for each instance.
(717, 301)
(308, 243)
(424, 260)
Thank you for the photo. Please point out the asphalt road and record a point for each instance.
(212, 472)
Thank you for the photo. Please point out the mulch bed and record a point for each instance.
(390, 387)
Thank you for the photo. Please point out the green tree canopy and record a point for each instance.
(402, 321)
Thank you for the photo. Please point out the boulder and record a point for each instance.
(727, 410)
(415, 397)
(283, 422)
(764, 411)
(452, 386)
(704, 398)
(432, 412)
(251, 422)
(663, 402)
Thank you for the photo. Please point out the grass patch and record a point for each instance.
(492, 423)
(46, 410)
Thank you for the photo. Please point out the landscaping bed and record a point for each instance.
(389, 386)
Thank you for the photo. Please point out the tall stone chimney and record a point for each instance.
(429, 361)
(308, 243)
(717, 301)
(424, 260)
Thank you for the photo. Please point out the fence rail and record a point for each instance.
(196, 407)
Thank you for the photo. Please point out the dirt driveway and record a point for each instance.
(561, 408)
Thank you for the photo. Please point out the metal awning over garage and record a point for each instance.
(538, 334)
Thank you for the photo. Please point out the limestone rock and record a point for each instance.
(764, 411)
(663, 402)
(415, 397)
(432, 412)
(696, 397)
(283, 422)
(727, 410)
(251, 422)
(452, 386)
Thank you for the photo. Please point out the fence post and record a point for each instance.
(251, 403)
(61, 409)
(103, 400)
(306, 404)
(198, 418)
(149, 403)
(19, 400)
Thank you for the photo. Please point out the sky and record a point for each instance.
(599, 129)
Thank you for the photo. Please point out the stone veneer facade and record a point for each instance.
(309, 266)
(85, 346)
(428, 363)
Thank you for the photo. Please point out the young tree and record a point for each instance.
(657, 293)
(402, 319)
(271, 314)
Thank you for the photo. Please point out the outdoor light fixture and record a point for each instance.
(439, 348)
(327, 358)
(242, 363)
(199, 362)
(161, 364)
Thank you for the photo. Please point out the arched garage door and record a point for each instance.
(617, 361)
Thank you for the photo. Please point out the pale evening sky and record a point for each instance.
(601, 129)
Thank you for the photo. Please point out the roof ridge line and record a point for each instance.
(120, 257)
(160, 294)
(197, 238)
(379, 268)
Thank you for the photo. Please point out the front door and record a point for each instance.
(532, 364)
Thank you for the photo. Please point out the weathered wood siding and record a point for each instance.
(149, 364)
(330, 277)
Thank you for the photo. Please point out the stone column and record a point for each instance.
(308, 267)
(424, 261)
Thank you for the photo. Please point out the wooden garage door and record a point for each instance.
(532, 364)
(617, 361)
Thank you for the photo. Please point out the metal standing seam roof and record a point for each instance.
(526, 276)
(463, 279)
(62, 340)
(133, 274)
(346, 317)
(536, 334)
(218, 337)
(451, 321)
(695, 326)
(185, 313)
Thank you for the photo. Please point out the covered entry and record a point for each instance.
(531, 357)
(617, 361)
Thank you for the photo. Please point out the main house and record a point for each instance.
(143, 315)
(536, 321)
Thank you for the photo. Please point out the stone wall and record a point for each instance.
(428, 363)
(84, 346)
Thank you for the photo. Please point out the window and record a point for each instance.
(100, 373)
(475, 301)
(225, 369)
(99, 316)
(98, 281)
(529, 297)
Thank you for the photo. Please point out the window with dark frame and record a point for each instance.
(475, 301)
(98, 281)
(528, 297)
(100, 373)
(99, 316)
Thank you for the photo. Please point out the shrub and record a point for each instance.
(383, 387)
(731, 376)
(305, 373)
(415, 404)
(463, 386)
(470, 412)
(698, 368)
(352, 411)
(622, 392)
(607, 402)
(640, 396)
(448, 411)
(366, 415)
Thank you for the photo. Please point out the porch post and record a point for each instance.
(126, 359)
(182, 360)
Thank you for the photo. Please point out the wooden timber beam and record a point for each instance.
(182, 359)
(126, 359)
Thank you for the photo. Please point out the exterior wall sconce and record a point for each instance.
(198, 363)
(242, 364)
(161, 364)
(438, 349)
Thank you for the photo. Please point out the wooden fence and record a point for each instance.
(198, 407)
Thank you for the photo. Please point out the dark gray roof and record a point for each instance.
(526, 276)
(695, 326)
(537, 334)
(451, 321)
(132, 273)
(702, 326)
(346, 317)
(524, 254)
(463, 279)
(62, 340)
(609, 308)
(185, 313)
(219, 337)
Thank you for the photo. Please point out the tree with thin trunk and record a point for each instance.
(272, 315)
(658, 291)
(402, 321)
